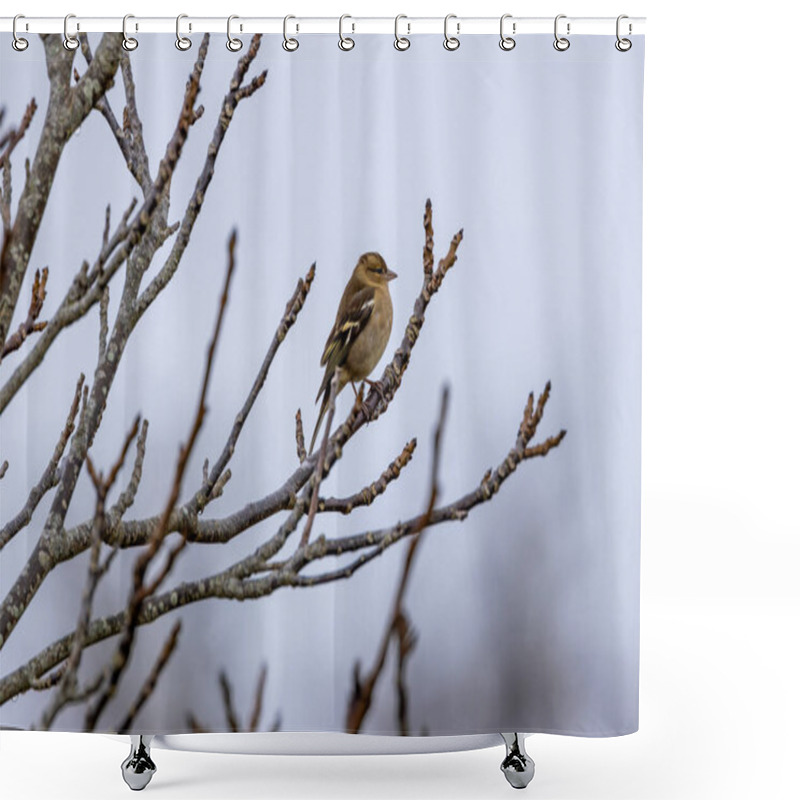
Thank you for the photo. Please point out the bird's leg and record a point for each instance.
(376, 385)
(359, 395)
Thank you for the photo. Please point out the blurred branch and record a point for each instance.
(167, 649)
(68, 691)
(141, 590)
(231, 715)
(362, 691)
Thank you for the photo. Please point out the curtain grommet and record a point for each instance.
(71, 42)
(507, 42)
(129, 43)
(451, 43)
(622, 44)
(289, 44)
(19, 43)
(346, 43)
(401, 43)
(183, 43)
(233, 44)
(561, 43)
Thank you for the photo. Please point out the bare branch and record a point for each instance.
(86, 290)
(3, 470)
(38, 294)
(49, 477)
(293, 308)
(66, 109)
(299, 437)
(258, 698)
(14, 136)
(361, 697)
(323, 448)
(227, 698)
(141, 590)
(369, 493)
(68, 691)
(149, 685)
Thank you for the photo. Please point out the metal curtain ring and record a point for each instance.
(561, 43)
(345, 42)
(233, 44)
(623, 45)
(18, 43)
(401, 42)
(451, 42)
(290, 45)
(70, 42)
(507, 42)
(128, 42)
(181, 42)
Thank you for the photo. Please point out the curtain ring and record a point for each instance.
(507, 42)
(183, 43)
(70, 42)
(290, 45)
(233, 44)
(128, 42)
(451, 42)
(401, 42)
(623, 45)
(561, 43)
(18, 43)
(345, 42)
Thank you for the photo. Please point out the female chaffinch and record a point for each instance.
(361, 331)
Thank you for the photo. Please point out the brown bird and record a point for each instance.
(361, 331)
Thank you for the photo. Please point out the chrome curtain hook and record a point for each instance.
(345, 42)
(507, 42)
(401, 42)
(451, 42)
(70, 42)
(290, 45)
(181, 42)
(233, 44)
(18, 43)
(561, 43)
(128, 42)
(623, 45)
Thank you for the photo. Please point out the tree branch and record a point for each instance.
(361, 696)
(67, 108)
(141, 590)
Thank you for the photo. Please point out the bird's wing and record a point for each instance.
(351, 320)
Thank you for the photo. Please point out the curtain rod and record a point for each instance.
(303, 25)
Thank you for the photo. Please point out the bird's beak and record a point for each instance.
(390, 276)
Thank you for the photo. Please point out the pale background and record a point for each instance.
(719, 695)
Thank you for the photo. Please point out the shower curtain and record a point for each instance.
(431, 256)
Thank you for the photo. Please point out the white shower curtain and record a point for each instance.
(520, 615)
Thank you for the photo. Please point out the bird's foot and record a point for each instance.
(378, 387)
(359, 397)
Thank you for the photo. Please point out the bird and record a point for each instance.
(361, 330)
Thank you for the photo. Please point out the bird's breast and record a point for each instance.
(366, 351)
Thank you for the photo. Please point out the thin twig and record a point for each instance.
(149, 685)
(362, 692)
(323, 449)
(141, 590)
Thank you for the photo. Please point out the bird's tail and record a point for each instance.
(322, 411)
